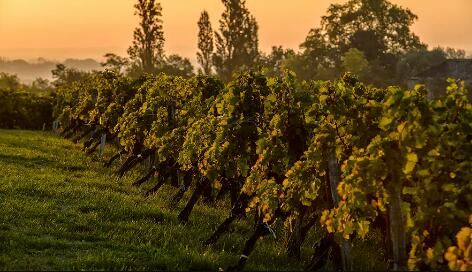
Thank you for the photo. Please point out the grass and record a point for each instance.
(59, 210)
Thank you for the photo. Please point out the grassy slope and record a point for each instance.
(59, 210)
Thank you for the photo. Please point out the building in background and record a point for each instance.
(435, 78)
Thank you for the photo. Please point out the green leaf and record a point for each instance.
(434, 153)
(219, 107)
(448, 187)
(409, 191)
(420, 141)
(243, 166)
(363, 228)
(271, 98)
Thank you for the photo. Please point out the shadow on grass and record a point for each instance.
(23, 161)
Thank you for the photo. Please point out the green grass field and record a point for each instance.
(59, 210)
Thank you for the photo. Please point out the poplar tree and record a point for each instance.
(237, 39)
(147, 50)
(205, 43)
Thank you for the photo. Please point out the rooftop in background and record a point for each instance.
(456, 68)
(435, 78)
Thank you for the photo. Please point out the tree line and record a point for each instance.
(23, 106)
(372, 39)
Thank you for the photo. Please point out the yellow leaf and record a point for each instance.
(401, 127)
(394, 136)
(412, 159)
(433, 153)
(323, 98)
(429, 253)
(285, 183)
(450, 257)
(271, 98)
(464, 237)
(217, 184)
(271, 81)
(385, 121)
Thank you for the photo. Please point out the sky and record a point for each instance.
(60, 29)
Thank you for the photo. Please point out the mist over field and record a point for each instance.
(28, 70)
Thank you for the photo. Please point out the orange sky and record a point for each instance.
(58, 29)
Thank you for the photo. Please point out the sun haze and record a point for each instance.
(59, 29)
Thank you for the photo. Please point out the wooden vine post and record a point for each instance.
(334, 179)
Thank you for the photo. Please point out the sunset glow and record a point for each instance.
(59, 29)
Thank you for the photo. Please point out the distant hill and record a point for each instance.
(28, 71)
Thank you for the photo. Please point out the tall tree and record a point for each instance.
(317, 59)
(114, 62)
(205, 43)
(377, 28)
(147, 50)
(276, 60)
(9, 81)
(453, 53)
(237, 40)
(378, 25)
(176, 65)
(355, 62)
(40, 84)
(65, 76)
